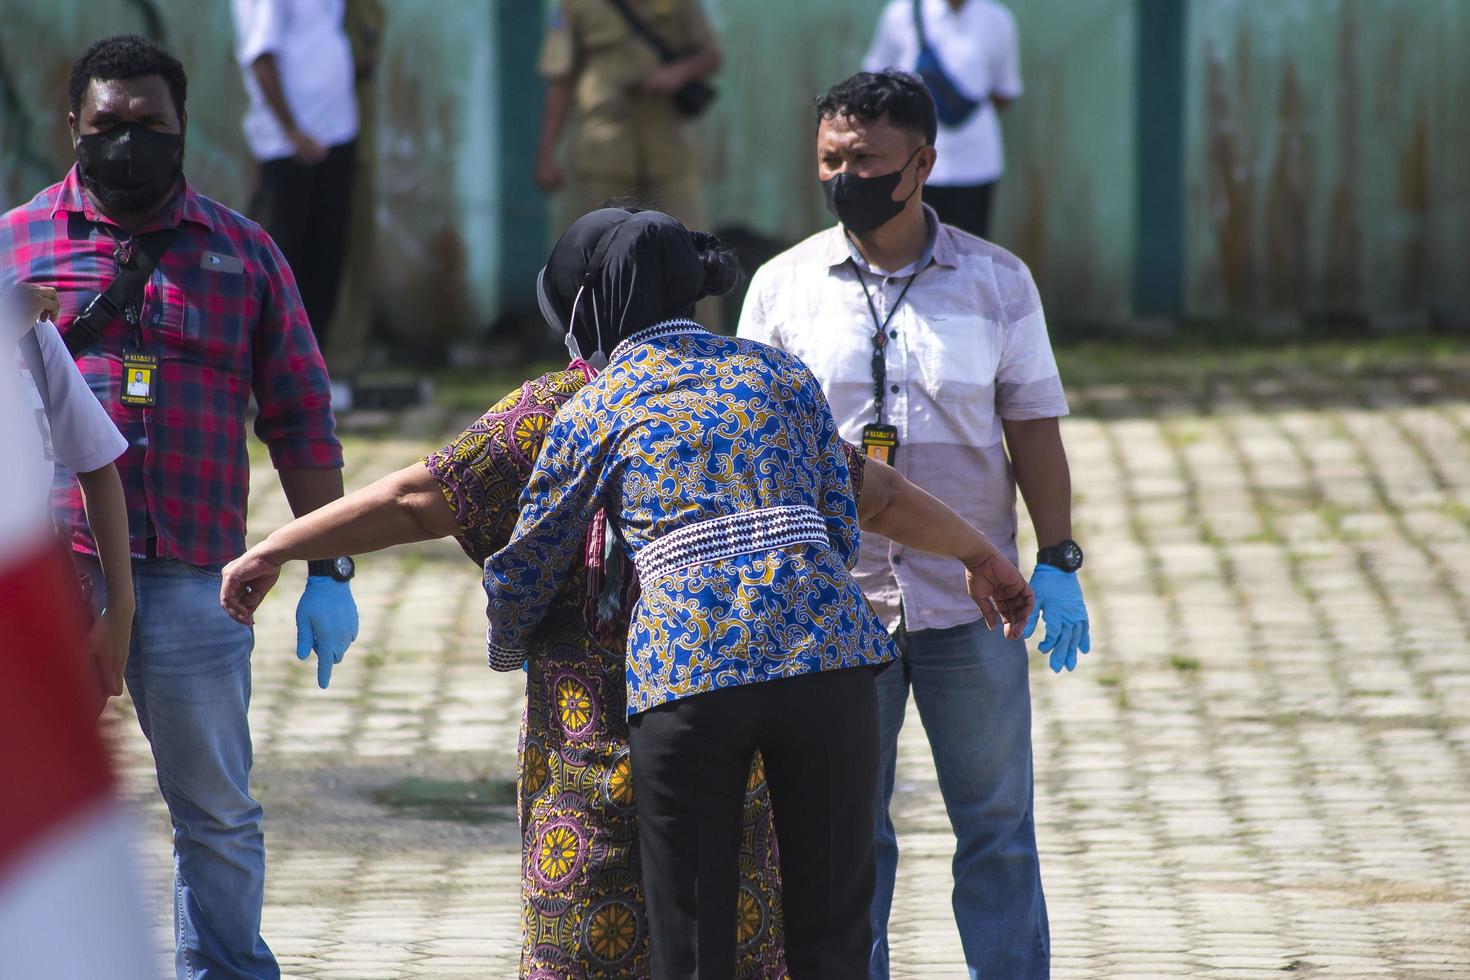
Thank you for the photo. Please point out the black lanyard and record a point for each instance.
(880, 340)
(132, 310)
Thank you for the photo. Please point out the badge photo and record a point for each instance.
(880, 442)
(139, 381)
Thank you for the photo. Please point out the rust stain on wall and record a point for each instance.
(1288, 202)
(1030, 241)
(421, 257)
(1414, 200)
(1345, 235)
(1330, 173)
(1232, 181)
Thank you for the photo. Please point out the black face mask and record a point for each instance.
(130, 168)
(865, 203)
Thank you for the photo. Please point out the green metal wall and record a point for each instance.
(1327, 144)
(439, 169)
(758, 142)
(1066, 205)
(442, 213)
(38, 42)
(1321, 146)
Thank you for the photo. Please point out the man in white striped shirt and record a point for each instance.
(932, 348)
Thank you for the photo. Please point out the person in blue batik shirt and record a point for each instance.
(719, 467)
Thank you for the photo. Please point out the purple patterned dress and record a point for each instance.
(581, 895)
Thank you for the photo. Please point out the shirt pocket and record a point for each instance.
(164, 306)
(190, 334)
(959, 357)
(842, 360)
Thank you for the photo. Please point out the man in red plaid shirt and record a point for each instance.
(217, 318)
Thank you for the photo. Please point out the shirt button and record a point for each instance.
(893, 334)
(898, 559)
(893, 388)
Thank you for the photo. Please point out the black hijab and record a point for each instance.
(633, 270)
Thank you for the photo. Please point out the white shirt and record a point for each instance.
(77, 431)
(314, 59)
(978, 47)
(968, 347)
(24, 474)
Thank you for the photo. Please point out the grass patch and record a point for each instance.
(476, 801)
(1183, 663)
(1185, 358)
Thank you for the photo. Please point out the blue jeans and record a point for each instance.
(971, 688)
(189, 675)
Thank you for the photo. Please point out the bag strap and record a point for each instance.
(126, 288)
(638, 27)
(919, 25)
(30, 346)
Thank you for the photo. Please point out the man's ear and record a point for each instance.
(925, 165)
(71, 124)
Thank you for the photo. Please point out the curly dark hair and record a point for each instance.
(125, 56)
(869, 96)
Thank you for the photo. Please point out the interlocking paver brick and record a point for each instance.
(1262, 769)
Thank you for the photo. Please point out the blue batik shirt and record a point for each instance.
(719, 466)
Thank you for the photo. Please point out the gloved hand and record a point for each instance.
(1059, 599)
(326, 621)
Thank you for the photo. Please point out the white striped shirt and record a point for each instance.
(968, 348)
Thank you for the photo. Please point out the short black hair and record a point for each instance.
(869, 96)
(121, 57)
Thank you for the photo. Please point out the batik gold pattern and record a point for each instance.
(685, 427)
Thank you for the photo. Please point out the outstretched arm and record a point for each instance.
(558, 503)
(891, 505)
(402, 507)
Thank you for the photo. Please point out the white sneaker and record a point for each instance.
(341, 396)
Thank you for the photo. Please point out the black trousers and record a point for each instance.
(304, 207)
(818, 734)
(966, 207)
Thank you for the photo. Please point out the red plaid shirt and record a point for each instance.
(222, 314)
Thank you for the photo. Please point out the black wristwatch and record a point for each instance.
(1067, 556)
(342, 569)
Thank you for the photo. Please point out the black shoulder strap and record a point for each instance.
(636, 24)
(30, 346)
(126, 287)
(919, 24)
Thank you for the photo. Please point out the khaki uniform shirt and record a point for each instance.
(622, 133)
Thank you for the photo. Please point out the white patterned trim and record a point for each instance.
(763, 529)
(668, 328)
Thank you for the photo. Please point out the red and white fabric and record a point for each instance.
(70, 906)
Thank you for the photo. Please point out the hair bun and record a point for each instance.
(721, 265)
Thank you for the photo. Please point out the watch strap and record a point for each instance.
(322, 566)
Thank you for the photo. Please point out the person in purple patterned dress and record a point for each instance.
(582, 906)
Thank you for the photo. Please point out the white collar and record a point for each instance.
(668, 328)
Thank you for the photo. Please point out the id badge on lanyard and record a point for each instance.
(140, 369)
(140, 379)
(880, 440)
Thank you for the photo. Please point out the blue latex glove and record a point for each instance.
(326, 621)
(1059, 599)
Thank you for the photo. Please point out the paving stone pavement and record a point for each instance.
(1263, 768)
